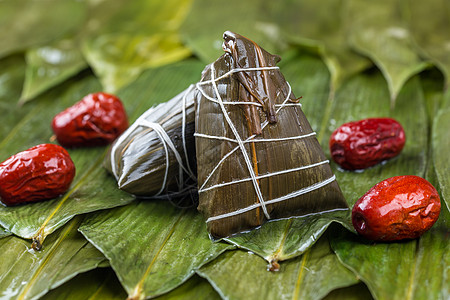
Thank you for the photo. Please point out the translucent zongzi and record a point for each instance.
(257, 156)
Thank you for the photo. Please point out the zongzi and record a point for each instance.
(258, 158)
(155, 156)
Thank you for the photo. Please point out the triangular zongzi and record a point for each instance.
(257, 156)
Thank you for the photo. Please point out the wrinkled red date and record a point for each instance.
(42, 172)
(365, 143)
(401, 207)
(98, 119)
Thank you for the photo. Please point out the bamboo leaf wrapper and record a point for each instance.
(156, 155)
(257, 157)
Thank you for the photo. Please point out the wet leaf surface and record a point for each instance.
(50, 65)
(146, 237)
(25, 27)
(429, 23)
(355, 292)
(285, 239)
(122, 49)
(4, 232)
(378, 33)
(440, 144)
(252, 19)
(328, 36)
(310, 276)
(102, 283)
(27, 274)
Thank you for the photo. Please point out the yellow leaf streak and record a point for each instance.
(50, 252)
(137, 292)
(300, 276)
(274, 258)
(411, 281)
(40, 235)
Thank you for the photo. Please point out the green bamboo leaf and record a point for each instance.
(432, 83)
(286, 239)
(4, 232)
(100, 283)
(146, 237)
(440, 146)
(411, 265)
(31, 23)
(122, 49)
(310, 25)
(118, 59)
(363, 97)
(378, 33)
(311, 276)
(309, 79)
(92, 189)
(26, 274)
(12, 74)
(429, 24)
(251, 18)
(50, 65)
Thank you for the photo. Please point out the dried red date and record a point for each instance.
(401, 207)
(42, 172)
(98, 119)
(365, 143)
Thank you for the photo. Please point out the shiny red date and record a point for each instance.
(365, 143)
(401, 207)
(98, 119)
(42, 172)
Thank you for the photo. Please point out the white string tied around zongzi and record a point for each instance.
(238, 139)
(240, 143)
(308, 189)
(273, 174)
(166, 142)
(250, 138)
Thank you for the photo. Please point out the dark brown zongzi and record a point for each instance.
(257, 155)
(156, 155)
